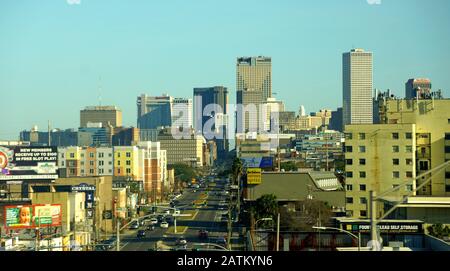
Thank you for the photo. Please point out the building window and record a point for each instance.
(363, 213)
(349, 136)
(362, 149)
(100, 155)
(447, 136)
(361, 136)
(349, 187)
(395, 149)
(447, 175)
(448, 121)
(82, 155)
(101, 163)
(395, 136)
(408, 135)
(396, 174)
(118, 170)
(91, 171)
(409, 162)
(118, 163)
(362, 200)
(409, 174)
(409, 188)
(118, 154)
(128, 154)
(128, 162)
(362, 187)
(349, 161)
(362, 174)
(62, 163)
(447, 149)
(72, 155)
(362, 162)
(395, 162)
(91, 155)
(91, 163)
(423, 165)
(349, 200)
(128, 170)
(348, 149)
(349, 174)
(110, 163)
(82, 171)
(110, 155)
(409, 149)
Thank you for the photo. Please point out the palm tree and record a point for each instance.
(236, 170)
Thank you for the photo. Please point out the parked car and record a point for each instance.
(140, 234)
(221, 241)
(181, 241)
(134, 226)
(203, 234)
(107, 244)
(164, 225)
(153, 221)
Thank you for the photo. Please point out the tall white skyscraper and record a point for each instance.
(302, 112)
(357, 87)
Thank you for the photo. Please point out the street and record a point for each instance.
(202, 218)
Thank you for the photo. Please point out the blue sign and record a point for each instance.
(258, 162)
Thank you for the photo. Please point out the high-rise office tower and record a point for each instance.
(217, 95)
(163, 111)
(253, 86)
(419, 88)
(102, 114)
(182, 116)
(357, 87)
(154, 112)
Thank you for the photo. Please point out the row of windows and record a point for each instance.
(127, 171)
(362, 187)
(395, 162)
(91, 155)
(127, 162)
(395, 174)
(362, 136)
(395, 149)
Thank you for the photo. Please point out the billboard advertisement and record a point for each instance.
(254, 162)
(32, 216)
(253, 176)
(28, 163)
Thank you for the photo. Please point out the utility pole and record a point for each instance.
(118, 235)
(278, 232)
(373, 220)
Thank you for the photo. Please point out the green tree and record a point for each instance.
(439, 231)
(266, 206)
(289, 166)
(236, 170)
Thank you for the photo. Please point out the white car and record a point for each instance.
(164, 225)
(153, 221)
(167, 212)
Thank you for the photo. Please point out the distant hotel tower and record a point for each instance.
(253, 85)
(357, 87)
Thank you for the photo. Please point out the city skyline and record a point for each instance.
(128, 68)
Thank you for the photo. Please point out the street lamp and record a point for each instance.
(358, 238)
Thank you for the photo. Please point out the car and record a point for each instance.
(164, 225)
(169, 218)
(107, 244)
(224, 219)
(221, 241)
(167, 212)
(161, 218)
(134, 226)
(153, 221)
(181, 241)
(140, 234)
(203, 234)
(150, 228)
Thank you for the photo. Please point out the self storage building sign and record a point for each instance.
(28, 163)
(254, 176)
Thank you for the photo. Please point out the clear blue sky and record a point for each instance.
(52, 53)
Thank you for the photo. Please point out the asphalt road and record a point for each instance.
(207, 218)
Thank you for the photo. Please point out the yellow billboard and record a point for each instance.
(253, 176)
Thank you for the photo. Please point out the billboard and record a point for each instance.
(254, 162)
(32, 216)
(28, 163)
(253, 176)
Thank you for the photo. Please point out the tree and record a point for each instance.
(266, 206)
(236, 169)
(289, 166)
(439, 231)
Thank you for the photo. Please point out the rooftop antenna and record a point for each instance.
(100, 91)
